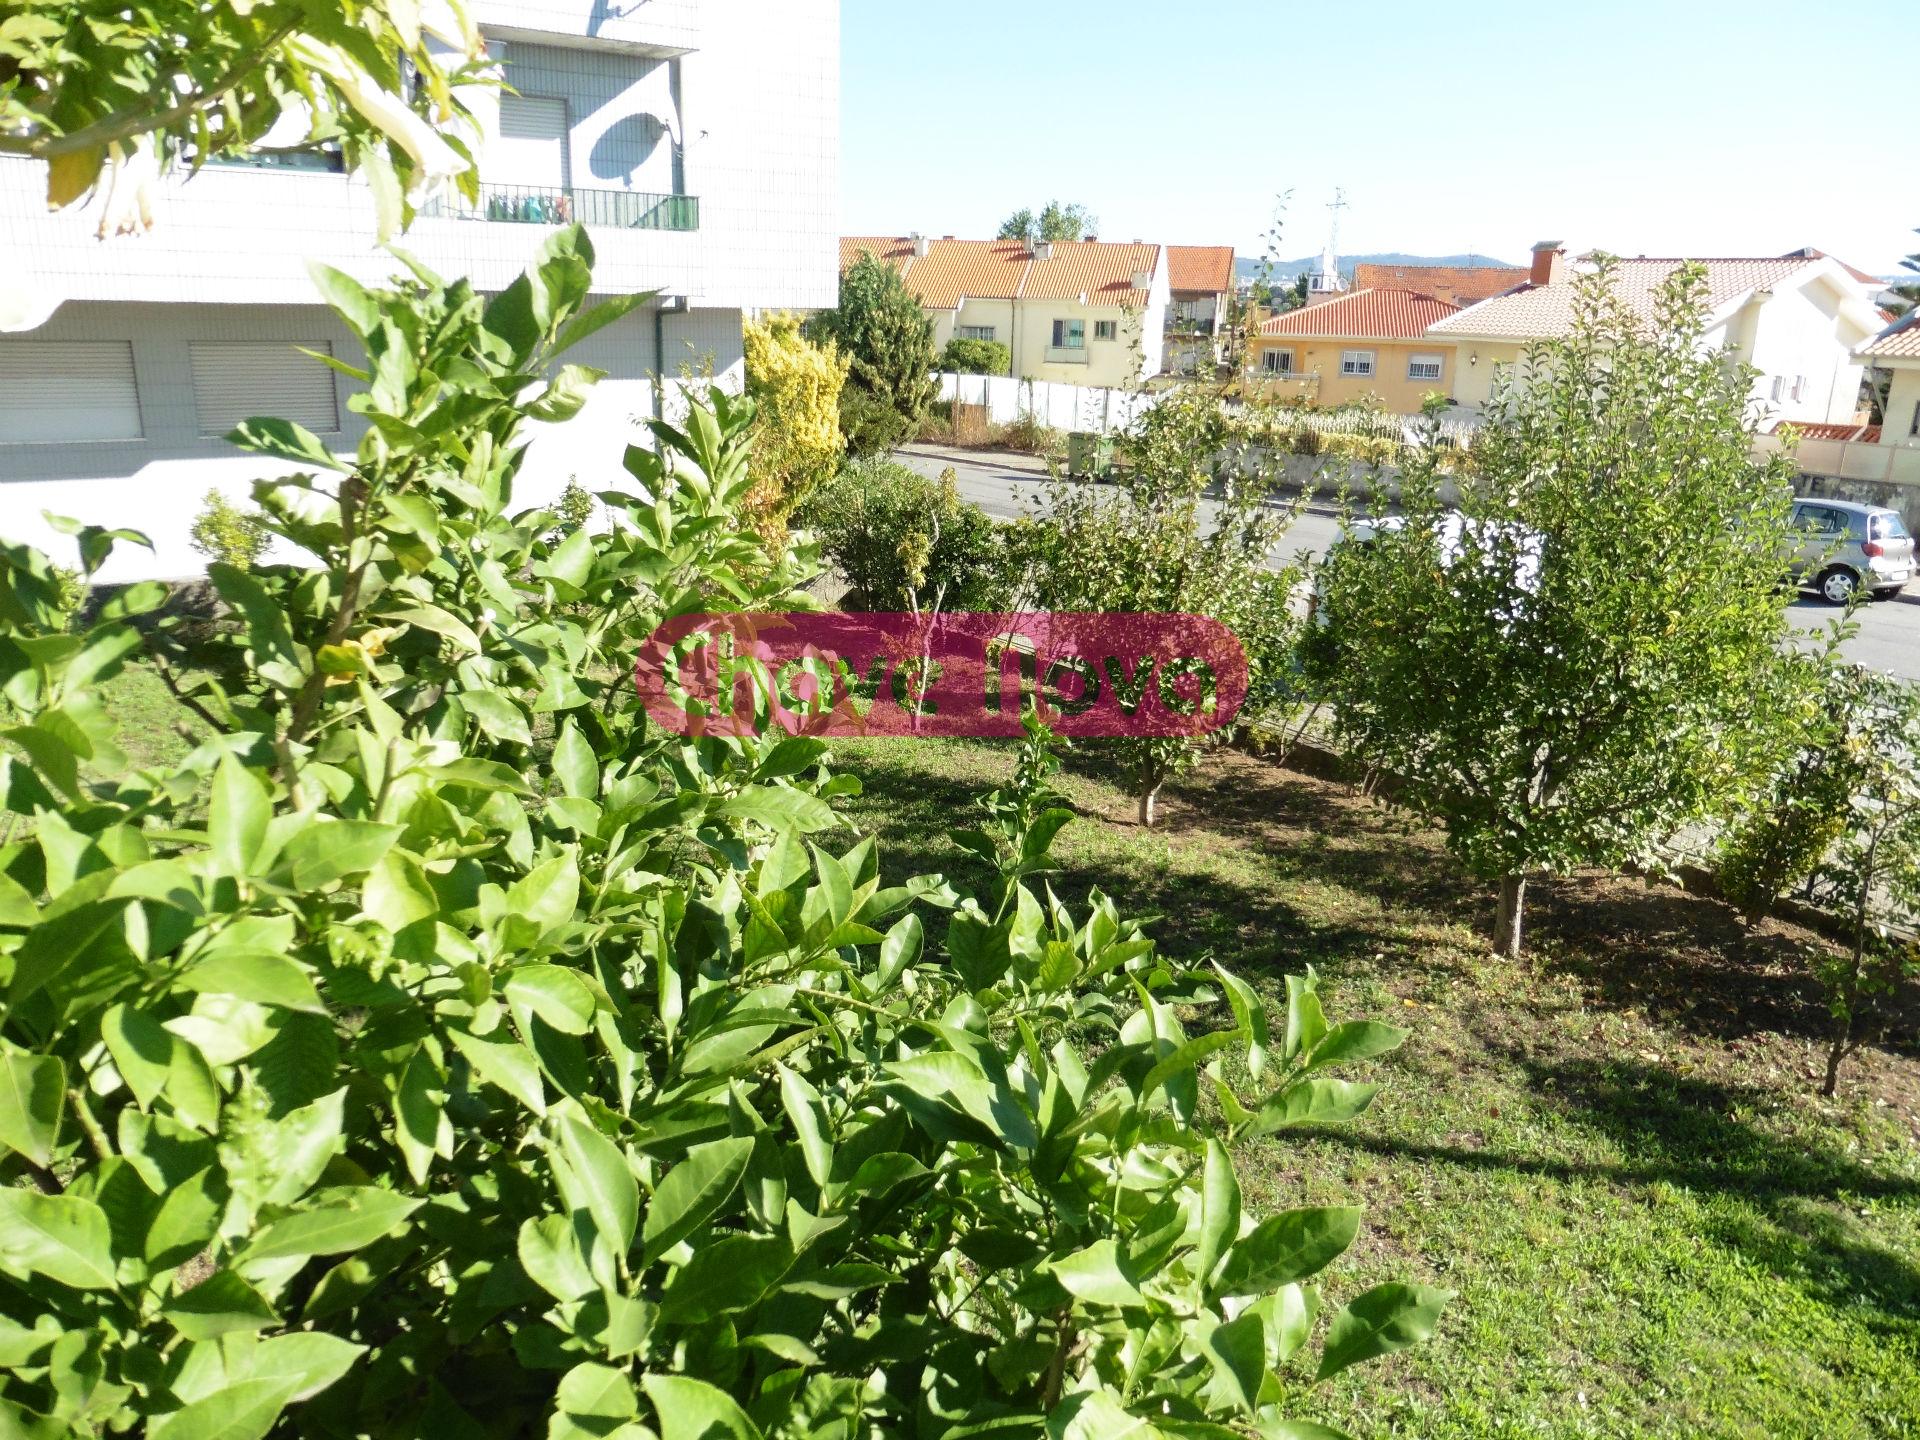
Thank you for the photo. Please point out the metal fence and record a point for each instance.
(566, 205)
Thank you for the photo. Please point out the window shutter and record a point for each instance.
(234, 380)
(532, 146)
(67, 390)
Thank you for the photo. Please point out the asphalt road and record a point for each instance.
(1008, 486)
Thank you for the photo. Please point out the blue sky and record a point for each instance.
(1686, 127)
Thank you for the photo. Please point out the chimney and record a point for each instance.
(1043, 249)
(1549, 258)
(1093, 239)
(921, 244)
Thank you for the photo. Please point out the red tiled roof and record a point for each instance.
(1456, 284)
(954, 270)
(1807, 252)
(1364, 315)
(1097, 269)
(1822, 430)
(1204, 268)
(1899, 340)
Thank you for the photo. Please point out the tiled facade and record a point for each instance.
(736, 105)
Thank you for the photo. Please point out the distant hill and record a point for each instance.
(1249, 269)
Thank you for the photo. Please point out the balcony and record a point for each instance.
(602, 209)
(1066, 355)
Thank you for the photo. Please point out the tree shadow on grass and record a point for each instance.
(1687, 1132)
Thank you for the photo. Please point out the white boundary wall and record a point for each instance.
(1054, 403)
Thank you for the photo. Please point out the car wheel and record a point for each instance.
(1837, 586)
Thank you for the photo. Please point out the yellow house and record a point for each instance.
(1089, 312)
(1365, 344)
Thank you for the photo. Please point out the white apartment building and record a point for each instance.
(697, 140)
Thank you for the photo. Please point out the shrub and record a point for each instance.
(888, 343)
(872, 427)
(881, 523)
(976, 357)
(225, 533)
(795, 386)
(1032, 436)
(1361, 449)
(379, 1069)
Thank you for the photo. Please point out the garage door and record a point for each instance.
(66, 390)
(236, 379)
(532, 146)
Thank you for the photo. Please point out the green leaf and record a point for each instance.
(1096, 1275)
(951, 1080)
(266, 435)
(245, 1410)
(319, 854)
(265, 979)
(589, 322)
(801, 1101)
(1384, 1319)
(780, 808)
(693, 1191)
(729, 1274)
(1219, 1211)
(554, 993)
(1237, 1352)
(237, 817)
(62, 1237)
(345, 295)
(1301, 1430)
(597, 1390)
(899, 950)
(33, 1093)
(1306, 1022)
(1313, 1102)
(221, 1303)
(550, 1254)
(611, 1192)
(504, 1063)
(574, 763)
(53, 945)
(311, 1359)
(346, 1221)
(691, 1409)
(1287, 1247)
(498, 717)
(548, 894)
(188, 1217)
(1356, 1040)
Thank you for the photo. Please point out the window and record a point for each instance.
(975, 332)
(1069, 334)
(62, 391)
(1821, 520)
(531, 149)
(1423, 367)
(1799, 391)
(1106, 329)
(1779, 390)
(1889, 527)
(1356, 362)
(233, 380)
(1914, 428)
(1277, 362)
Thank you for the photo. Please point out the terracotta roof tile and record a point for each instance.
(1364, 315)
(1538, 312)
(1098, 269)
(897, 250)
(1456, 284)
(1822, 430)
(1899, 341)
(1207, 269)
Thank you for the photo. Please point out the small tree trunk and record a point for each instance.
(1506, 924)
(1146, 806)
(1836, 1052)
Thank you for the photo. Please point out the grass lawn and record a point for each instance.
(1615, 1152)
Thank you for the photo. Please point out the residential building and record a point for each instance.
(1364, 344)
(1091, 312)
(1878, 463)
(1456, 284)
(697, 141)
(1200, 285)
(1796, 319)
(1896, 350)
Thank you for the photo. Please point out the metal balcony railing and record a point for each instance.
(564, 205)
(1066, 355)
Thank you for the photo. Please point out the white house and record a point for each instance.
(698, 141)
(1797, 319)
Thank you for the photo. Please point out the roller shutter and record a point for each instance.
(233, 380)
(531, 149)
(67, 390)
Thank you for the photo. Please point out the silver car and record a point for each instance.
(1843, 547)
